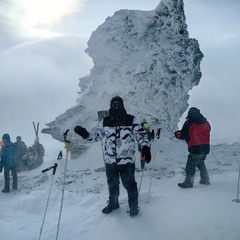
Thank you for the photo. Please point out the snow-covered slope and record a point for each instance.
(203, 212)
(148, 59)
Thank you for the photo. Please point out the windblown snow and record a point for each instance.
(148, 59)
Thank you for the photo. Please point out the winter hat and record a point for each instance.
(116, 103)
(193, 111)
(6, 138)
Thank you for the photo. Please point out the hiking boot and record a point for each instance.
(204, 182)
(14, 188)
(185, 185)
(5, 190)
(109, 208)
(188, 182)
(134, 211)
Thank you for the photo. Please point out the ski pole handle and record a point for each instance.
(47, 169)
(65, 136)
(53, 167)
(67, 141)
(59, 155)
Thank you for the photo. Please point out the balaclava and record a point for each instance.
(117, 107)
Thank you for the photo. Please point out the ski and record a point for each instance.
(36, 128)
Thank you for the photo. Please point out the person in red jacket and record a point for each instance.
(196, 132)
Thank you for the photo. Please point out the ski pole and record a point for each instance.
(158, 136)
(60, 155)
(152, 139)
(43, 171)
(64, 178)
(141, 180)
(151, 178)
(238, 191)
(144, 168)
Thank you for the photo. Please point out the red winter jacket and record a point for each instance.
(196, 132)
(199, 137)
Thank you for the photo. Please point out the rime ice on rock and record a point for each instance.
(148, 59)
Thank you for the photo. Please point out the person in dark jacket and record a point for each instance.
(119, 130)
(8, 162)
(196, 132)
(21, 151)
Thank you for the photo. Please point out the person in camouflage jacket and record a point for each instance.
(120, 131)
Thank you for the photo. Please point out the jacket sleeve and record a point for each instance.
(3, 155)
(140, 134)
(98, 134)
(185, 131)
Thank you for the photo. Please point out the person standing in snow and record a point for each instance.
(40, 151)
(150, 135)
(8, 162)
(21, 151)
(119, 130)
(196, 132)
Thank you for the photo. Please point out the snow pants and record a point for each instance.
(7, 177)
(196, 161)
(126, 172)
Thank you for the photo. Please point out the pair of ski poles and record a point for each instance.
(63, 185)
(150, 186)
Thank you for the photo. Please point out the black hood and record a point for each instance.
(194, 115)
(6, 138)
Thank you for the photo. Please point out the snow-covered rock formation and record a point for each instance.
(148, 59)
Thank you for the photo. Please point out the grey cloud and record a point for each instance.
(40, 81)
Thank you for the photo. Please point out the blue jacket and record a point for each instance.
(8, 152)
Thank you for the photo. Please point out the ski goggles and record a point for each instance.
(116, 104)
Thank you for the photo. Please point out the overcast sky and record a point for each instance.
(40, 74)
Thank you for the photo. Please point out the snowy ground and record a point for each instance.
(203, 212)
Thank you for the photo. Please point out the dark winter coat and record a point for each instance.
(196, 132)
(21, 149)
(8, 153)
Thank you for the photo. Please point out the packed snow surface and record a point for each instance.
(203, 212)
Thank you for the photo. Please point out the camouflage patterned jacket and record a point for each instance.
(120, 135)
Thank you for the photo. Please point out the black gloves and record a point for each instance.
(81, 131)
(146, 153)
